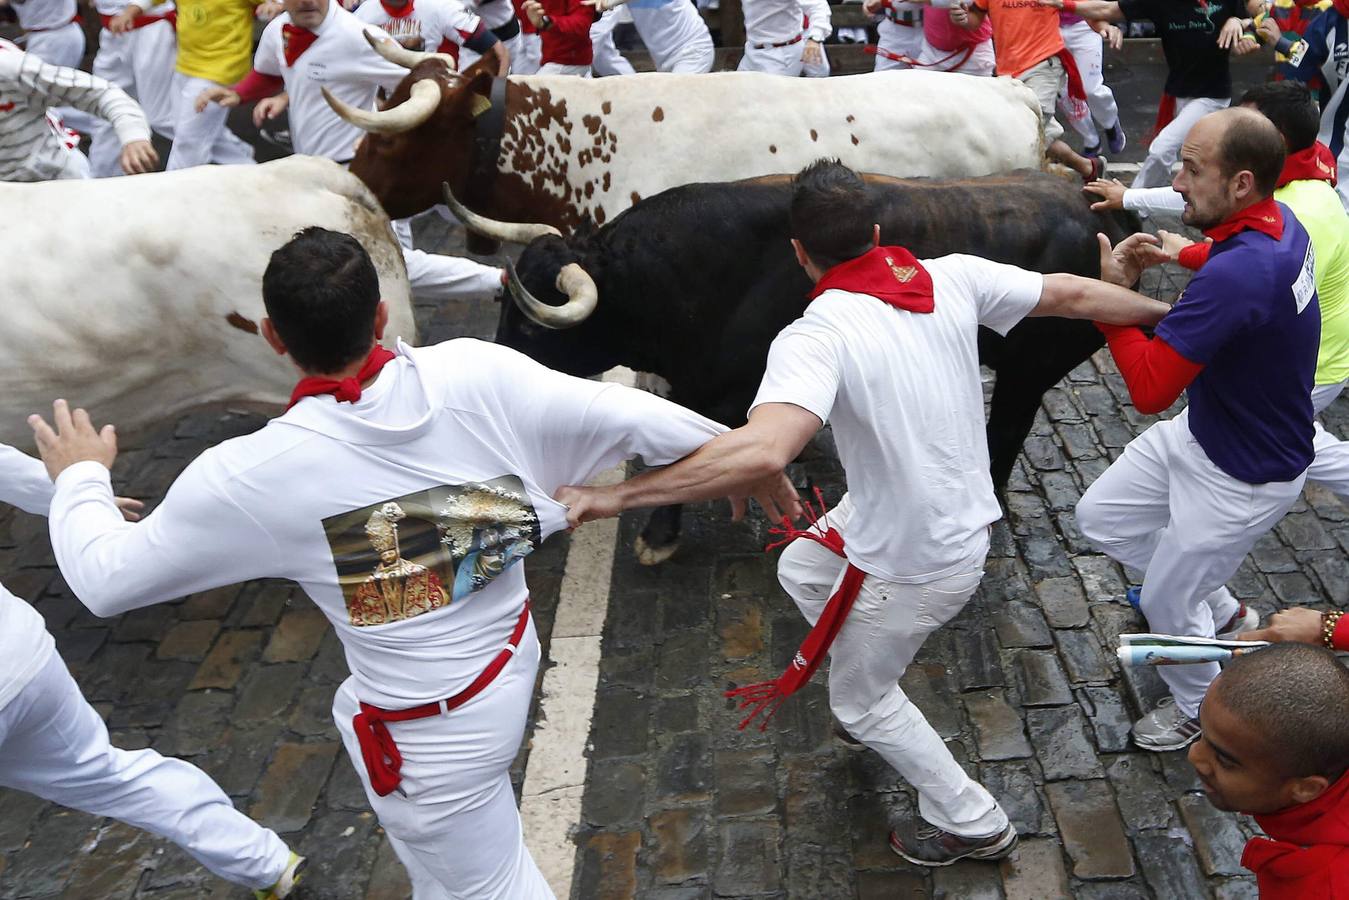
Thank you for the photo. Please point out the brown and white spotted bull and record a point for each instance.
(563, 150)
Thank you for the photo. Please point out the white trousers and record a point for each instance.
(1164, 508)
(64, 46)
(904, 40)
(1165, 147)
(695, 58)
(140, 62)
(552, 68)
(607, 60)
(1087, 47)
(530, 48)
(76, 165)
(202, 137)
(773, 60)
(981, 60)
(882, 634)
(1331, 465)
(455, 825)
(434, 276)
(53, 744)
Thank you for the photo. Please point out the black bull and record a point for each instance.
(695, 282)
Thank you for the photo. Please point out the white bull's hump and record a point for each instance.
(141, 297)
(622, 139)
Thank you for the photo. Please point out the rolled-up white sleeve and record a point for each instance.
(197, 539)
(24, 481)
(1156, 201)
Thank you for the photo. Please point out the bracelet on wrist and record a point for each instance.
(1329, 622)
(1069, 6)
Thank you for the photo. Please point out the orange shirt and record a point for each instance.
(1024, 33)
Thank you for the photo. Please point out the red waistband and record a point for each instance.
(382, 758)
(145, 19)
(76, 18)
(795, 40)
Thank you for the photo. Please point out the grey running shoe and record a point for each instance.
(1166, 728)
(924, 844)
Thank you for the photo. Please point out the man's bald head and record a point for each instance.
(1231, 159)
(1248, 141)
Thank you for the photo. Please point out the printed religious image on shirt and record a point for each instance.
(413, 554)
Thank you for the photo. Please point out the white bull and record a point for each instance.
(557, 149)
(141, 297)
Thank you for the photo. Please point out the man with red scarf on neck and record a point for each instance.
(1190, 496)
(1276, 746)
(886, 352)
(466, 439)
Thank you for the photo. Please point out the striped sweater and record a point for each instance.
(32, 146)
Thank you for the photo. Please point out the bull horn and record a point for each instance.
(506, 232)
(574, 281)
(413, 111)
(399, 55)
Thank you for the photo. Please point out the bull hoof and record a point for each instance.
(652, 556)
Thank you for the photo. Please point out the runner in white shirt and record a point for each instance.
(774, 39)
(899, 30)
(33, 144)
(140, 62)
(672, 30)
(54, 744)
(51, 30)
(887, 353)
(335, 55)
(403, 510)
(53, 34)
(500, 18)
(438, 26)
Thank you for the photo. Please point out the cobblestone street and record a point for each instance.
(678, 803)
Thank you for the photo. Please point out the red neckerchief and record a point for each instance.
(1307, 847)
(1264, 217)
(1077, 92)
(295, 41)
(890, 274)
(397, 12)
(348, 390)
(1315, 163)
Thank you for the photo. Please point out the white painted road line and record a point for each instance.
(550, 799)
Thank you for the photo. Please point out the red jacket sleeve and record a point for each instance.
(1153, 371)
(256, 85)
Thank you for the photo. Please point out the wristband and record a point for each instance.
(1293, 47)
(1070, 6)
(547, 22)
(1329, 621)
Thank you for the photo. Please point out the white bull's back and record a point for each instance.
(654, 131)
(142, 297)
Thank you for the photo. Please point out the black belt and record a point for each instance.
(507, 31)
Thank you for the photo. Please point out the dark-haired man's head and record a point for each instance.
(1292, 109)
(1230, 159)
(322, 297)
(833, 216)
(1276, 729)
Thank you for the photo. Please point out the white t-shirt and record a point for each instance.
(404, 515)
(902, 392)
(44, 15)
(669, 28)
(25, 644)
(339, 60)
(430, 25)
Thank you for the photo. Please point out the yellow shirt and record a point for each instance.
(1317, 206)
(215, 39)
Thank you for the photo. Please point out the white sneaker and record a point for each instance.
(1245, 619)
(1166, 728)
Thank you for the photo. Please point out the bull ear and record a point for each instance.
(473, 94)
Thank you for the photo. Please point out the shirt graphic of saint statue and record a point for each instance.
(398, 588)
